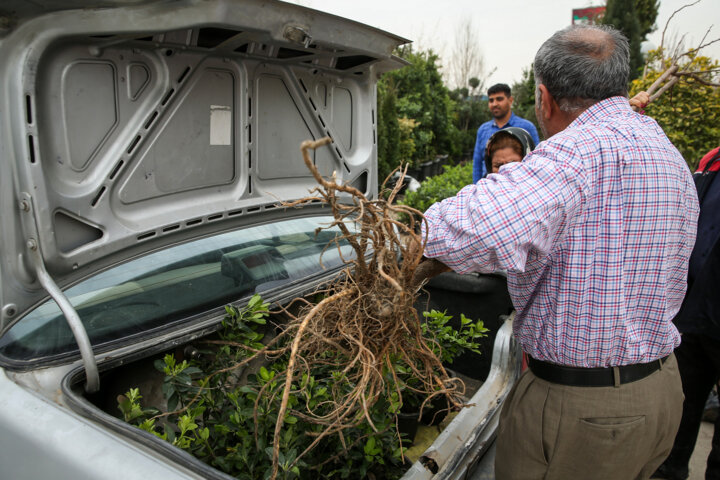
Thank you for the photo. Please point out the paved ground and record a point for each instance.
(701, 452)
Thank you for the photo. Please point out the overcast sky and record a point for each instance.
(509, 31)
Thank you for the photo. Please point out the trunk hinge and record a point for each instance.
(92, 377)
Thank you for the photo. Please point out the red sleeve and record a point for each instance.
(706, 159)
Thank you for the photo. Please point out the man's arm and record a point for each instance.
(427, 269)
(496, 224)
(479, 157)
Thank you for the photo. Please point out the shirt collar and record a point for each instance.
(603, 109)
(509, 122)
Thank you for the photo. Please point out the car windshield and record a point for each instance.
(169, 286)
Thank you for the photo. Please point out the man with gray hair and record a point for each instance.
(595, 228)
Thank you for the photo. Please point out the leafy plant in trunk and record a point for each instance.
(344, 342)
(230, 420)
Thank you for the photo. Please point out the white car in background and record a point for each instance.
(145, 147)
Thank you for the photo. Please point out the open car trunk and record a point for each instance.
(147, 147)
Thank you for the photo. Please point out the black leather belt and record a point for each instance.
(593, 377)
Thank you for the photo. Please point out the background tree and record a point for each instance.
(421, 96)
(388, 130)
(466, 58)
(689, 112)
(470, 111)
(647, 12)
(474, 84)
(623, 15)
(524, 95)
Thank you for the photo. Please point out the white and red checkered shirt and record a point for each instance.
(594, 227)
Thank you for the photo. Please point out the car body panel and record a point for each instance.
(129, 127)
(146, 125)
(66, 445)
(462, 444)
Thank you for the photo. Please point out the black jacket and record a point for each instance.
(700, 312)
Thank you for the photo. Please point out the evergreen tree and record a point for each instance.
(524, 97)
(647, 12)
(623, 15)
(423, 97)
(388, 131)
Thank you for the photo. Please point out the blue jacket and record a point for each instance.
(485, 132)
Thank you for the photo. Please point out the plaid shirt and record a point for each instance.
(594, 227)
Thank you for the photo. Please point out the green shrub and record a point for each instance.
(415, 92)
(229, 423)
(689, 112)
(440, 187)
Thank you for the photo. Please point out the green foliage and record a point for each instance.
(524, 97)
(689, 112)
(406, 144)
(449, 343)
(470, 112)
(415, 92)
(623, 15)
(647, 12)
(389, 156)
(440, 186)
(129, 405)
(178, 380)
(229, 424)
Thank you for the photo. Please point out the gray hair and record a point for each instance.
(583, 64)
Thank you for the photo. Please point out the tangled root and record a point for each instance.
(365, 325)
(367, 318)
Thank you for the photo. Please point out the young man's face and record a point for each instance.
(499, 104)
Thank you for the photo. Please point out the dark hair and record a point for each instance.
(583, 64)
(499, 88)
(505, 141)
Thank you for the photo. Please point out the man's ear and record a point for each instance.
(547, 102)
(512, 99)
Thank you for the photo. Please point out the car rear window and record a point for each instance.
(178, 283)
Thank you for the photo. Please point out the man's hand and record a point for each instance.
(639, 101)
(428, 268)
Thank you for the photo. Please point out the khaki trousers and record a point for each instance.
(551, 431)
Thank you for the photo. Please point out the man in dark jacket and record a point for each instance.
(698, 321)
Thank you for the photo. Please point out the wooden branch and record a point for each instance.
(666, 74)
(697, 78)
(662, 39)
(664, 88)
(679, 45)
(707, 32)
(695, 50)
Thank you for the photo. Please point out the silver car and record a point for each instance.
(145, 148)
